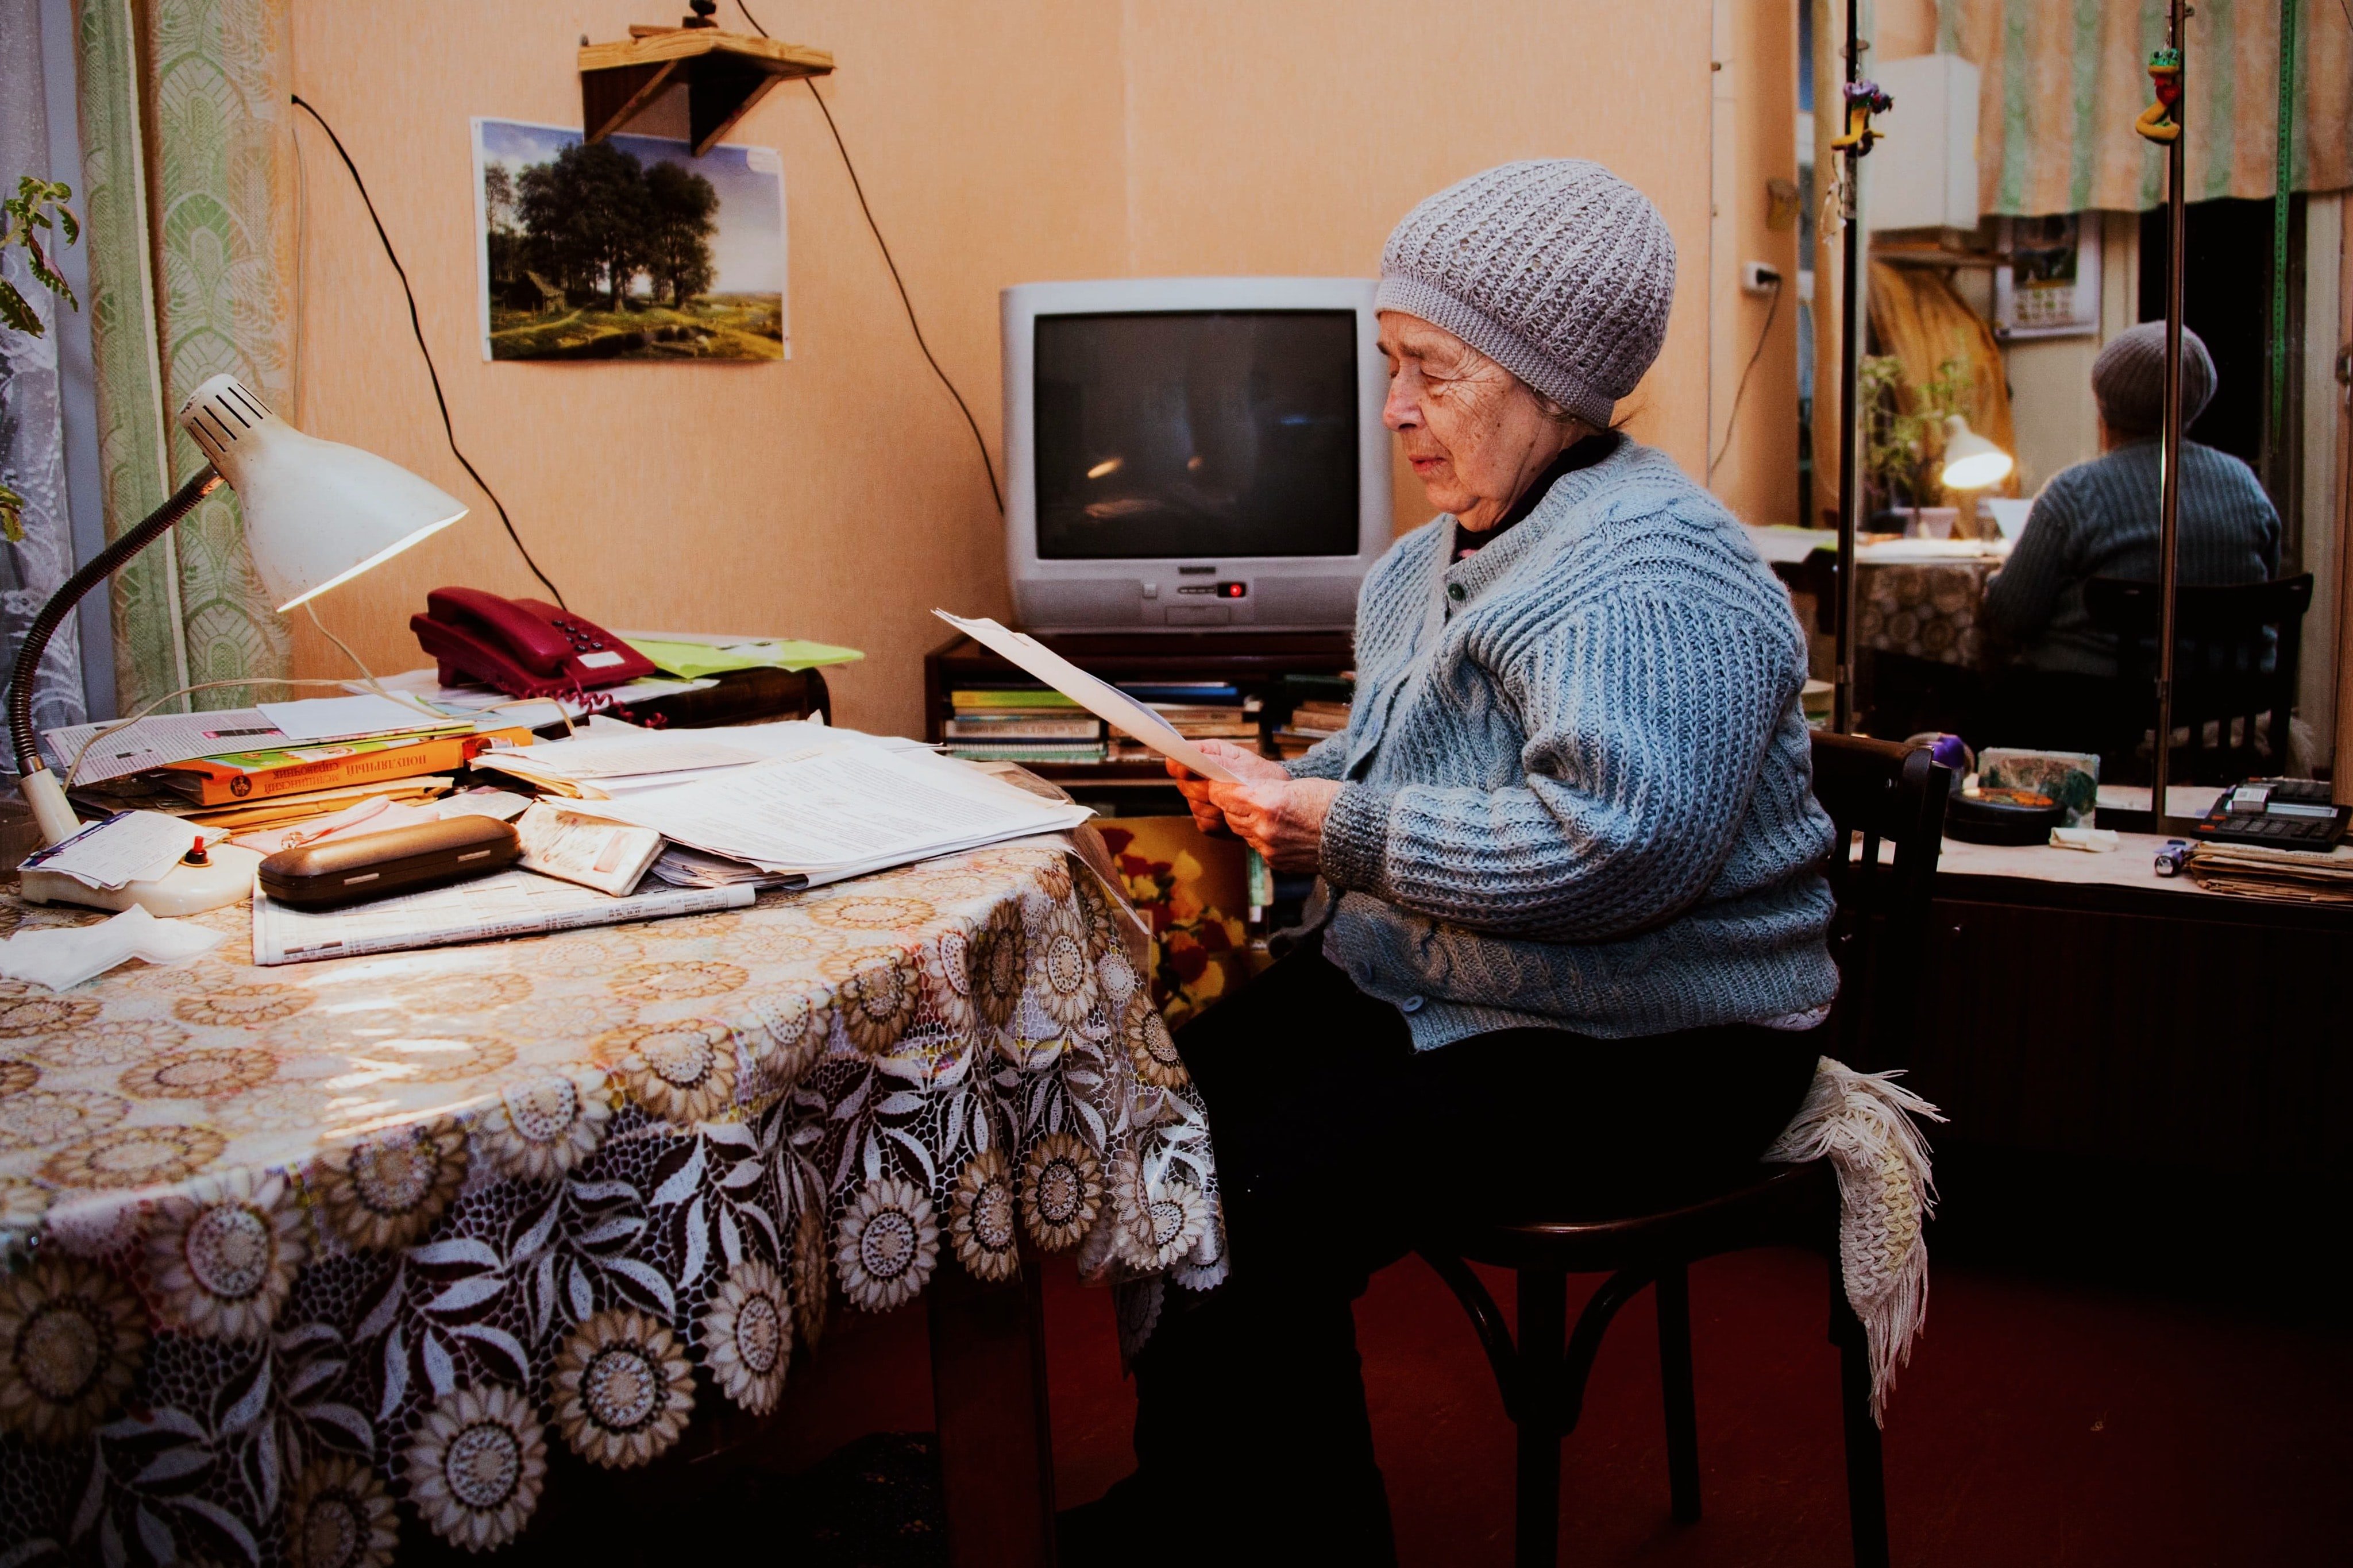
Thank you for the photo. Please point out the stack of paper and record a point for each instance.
(840, 806)
(2295, 875)
(129, 846)
(534, 713)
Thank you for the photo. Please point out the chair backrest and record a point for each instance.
(2223, 636)
(1882, 793)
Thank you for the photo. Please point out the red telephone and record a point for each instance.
(522, 646)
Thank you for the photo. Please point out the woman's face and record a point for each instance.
(1475, 433)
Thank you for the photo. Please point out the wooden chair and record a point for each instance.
(2221, 636)
(1884, 793)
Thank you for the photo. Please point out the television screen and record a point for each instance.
(1210, 434)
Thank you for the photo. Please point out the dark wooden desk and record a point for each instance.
(2083, 1008)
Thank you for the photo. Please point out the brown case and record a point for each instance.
(379, 864)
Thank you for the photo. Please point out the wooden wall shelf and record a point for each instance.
(724, 75)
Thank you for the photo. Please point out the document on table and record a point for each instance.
(128, 847)
(511, 903)
(532, 712)
(841, 809)
(619, 751)
(1103, 700)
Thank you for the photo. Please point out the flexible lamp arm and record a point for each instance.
(97, 570)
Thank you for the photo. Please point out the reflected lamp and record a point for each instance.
(316, 513)
(1971, 462)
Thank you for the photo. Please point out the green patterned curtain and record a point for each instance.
(2064, 79)
(188, 168)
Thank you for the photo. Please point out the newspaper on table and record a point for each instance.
(840, 808)
(511, 903)
(1099, 698)
(2290, 876)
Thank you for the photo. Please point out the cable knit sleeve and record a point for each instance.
(1647, 716)
(1326, 759)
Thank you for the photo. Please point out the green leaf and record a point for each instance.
(12, 516)
(16, 311)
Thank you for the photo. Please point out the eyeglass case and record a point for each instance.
(378, 865)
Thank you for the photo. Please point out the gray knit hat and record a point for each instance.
(1554, 268)
(2128, 379)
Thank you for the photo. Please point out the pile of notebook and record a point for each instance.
(1021, 723)
(1319, 711)
(257, 769)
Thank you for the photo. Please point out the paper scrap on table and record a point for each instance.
(128, 847)
(607, 856)
(690, 656)
(2097, 840)
(1105, 701)
(381, 815)
(497, 805)
(351, 717)
(63, 956)
(93, 754)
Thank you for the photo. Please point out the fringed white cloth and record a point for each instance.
(1862, 1123)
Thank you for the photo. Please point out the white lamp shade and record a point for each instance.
(316, 512)
(1971, 462)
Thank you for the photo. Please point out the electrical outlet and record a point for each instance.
(1758, 277)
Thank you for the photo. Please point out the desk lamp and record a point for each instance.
(1971, 462)
(316, 514)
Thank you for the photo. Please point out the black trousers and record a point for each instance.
(1338, 1145)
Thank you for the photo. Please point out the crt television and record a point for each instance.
(1192, 453)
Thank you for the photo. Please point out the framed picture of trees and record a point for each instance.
(628, 248)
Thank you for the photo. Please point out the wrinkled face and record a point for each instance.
(1475, 433)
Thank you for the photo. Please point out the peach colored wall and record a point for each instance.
(837, 496)
(1755, 451)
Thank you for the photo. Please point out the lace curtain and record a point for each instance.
(2063, 79)
(32, 432)
(187, 179)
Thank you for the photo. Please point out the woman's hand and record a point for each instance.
(1278, 816)
(1284, 821)
(1242, 764)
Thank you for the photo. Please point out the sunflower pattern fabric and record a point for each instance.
(283, 1245)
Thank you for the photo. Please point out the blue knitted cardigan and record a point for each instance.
(1578, 778)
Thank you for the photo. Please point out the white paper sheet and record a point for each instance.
(1105, 701)
(128, 847)
(620, 751)
(839, 805)
(349, 718)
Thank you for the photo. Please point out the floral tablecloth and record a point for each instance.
(1927, 609)
(287, 1244)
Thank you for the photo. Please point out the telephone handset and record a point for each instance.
(522, 646)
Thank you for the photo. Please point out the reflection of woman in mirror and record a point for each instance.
(2100, 519)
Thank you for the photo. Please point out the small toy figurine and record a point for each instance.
(1863, 100)
(2162, 120)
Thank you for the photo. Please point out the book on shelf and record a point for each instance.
(974, 725)
(1010, 699)
(1154, 693)
(1026, 751)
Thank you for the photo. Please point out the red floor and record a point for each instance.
(2037, 1424)
(2057, 1426)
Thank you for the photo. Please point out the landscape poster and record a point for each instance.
(627, 249)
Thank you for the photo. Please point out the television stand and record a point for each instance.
(1254, 661)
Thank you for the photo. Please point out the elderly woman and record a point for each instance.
(1569, 942)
